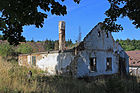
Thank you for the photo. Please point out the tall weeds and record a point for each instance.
(13, 79)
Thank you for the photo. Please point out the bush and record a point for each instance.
(6, 50)
(24, 49)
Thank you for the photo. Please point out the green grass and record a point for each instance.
(13, 79)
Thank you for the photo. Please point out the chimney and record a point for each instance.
(61, 35)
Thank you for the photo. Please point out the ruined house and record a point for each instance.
(134, 62)
(97, 54)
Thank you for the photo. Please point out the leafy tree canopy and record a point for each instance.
(129, 45)
(122, 8)
(18, 13)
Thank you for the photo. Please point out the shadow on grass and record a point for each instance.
(102, 84)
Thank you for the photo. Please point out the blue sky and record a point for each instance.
(87, 14)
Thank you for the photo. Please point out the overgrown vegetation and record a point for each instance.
(29, 47)
(54, 45)
(24, 49)
(6, 50)
(49, 45)
(10, 53)
(13, 79)
(129, 45)
(1, 37)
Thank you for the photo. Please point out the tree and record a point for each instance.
(122, 8)
(129, 44)
(18, 13)
(49, 45)
(69, 43)
(56, 45)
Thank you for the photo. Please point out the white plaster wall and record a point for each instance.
(84, 67)
(92, 41)
(54, 61)
(134, 71)
(64, 60)
(98, 47)
(48, 62)
(29, 59)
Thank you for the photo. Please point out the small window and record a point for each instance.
(34, 60)
(99, 33)
(106, 34)
(108, 63)
(93, 64)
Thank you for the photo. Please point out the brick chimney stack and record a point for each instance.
(61, 35)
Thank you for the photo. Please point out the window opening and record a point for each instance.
(108, 63)
(93, 64)
(34, 60)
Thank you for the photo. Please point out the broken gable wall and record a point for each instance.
(100, 47)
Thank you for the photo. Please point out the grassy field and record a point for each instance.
(13, 79)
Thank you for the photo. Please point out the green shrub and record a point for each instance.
(6, 50)
(24, 49)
